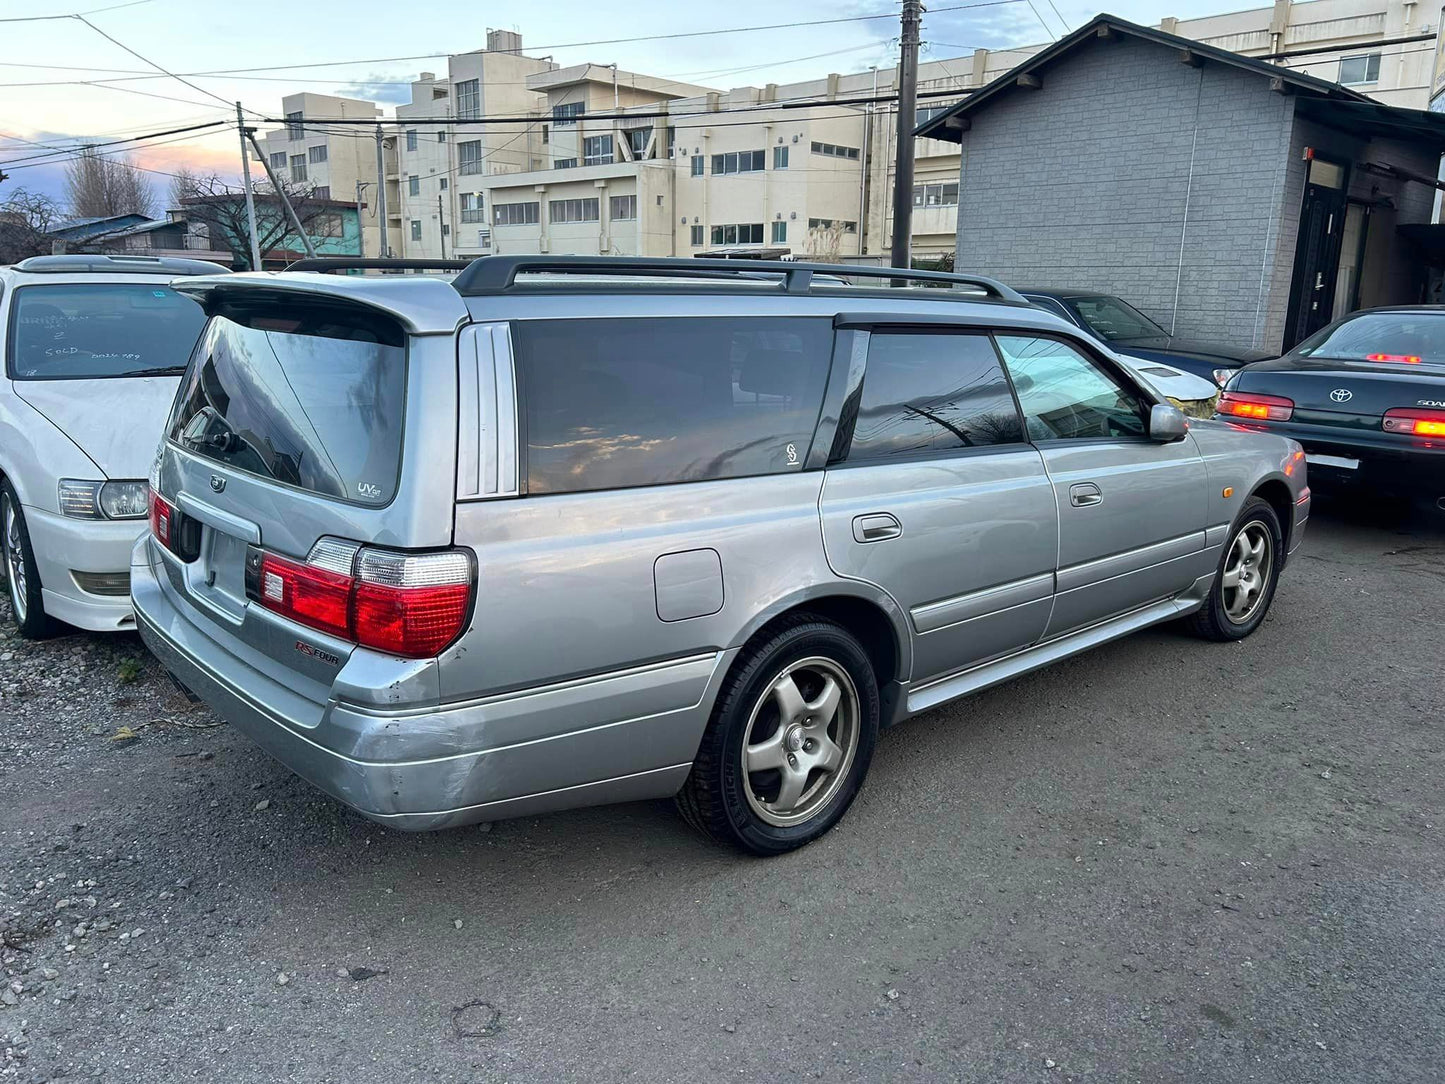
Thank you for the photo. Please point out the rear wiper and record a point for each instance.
(159, 370)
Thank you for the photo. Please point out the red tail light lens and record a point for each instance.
(1254, 407)
(408, 604)
(1405, 359)
(1419, 423)
(163, 520)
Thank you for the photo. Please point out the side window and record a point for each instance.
(1065, 394)
(927, 392)
(635, 402)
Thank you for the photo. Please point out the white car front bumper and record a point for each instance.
(64, 547)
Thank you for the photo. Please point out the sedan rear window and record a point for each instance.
(1406, 338)
(90, 330)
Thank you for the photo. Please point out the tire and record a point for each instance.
(1253, 553)
(814, 749)
(21, 577)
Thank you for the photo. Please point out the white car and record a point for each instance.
(94, 348)
(1192, 394)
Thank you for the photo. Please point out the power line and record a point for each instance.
(153, 64)
(131, 139)
(109, 154)
(71, 15)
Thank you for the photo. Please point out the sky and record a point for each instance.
(44, 64)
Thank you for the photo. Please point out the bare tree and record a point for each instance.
(185, 184)
(97, 186)
(25, 219)
(221, 207)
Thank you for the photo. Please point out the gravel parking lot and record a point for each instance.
(1164, 860)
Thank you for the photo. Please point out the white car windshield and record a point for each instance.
(85, 330)
(1113, 319)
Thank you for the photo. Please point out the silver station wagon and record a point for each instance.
(572, 530)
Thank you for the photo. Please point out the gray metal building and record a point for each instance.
(1228, 198)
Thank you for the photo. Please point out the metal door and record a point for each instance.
(1317, 251)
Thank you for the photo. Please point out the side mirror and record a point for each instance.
(1167, 423)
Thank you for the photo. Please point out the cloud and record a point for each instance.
(382, 87)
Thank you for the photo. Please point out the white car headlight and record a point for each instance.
(80, 499)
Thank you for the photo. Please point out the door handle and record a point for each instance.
(876, 527)
(1083, 494)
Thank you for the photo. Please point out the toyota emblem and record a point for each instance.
(1342, 395)
(217, 483)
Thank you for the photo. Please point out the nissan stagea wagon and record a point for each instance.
(564, 531)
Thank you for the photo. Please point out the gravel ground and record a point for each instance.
(1162, 861)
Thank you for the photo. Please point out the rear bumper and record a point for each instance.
(63, 545)
(617, 737)
(1385, 461)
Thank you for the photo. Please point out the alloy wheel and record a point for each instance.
(14, 558)
(800, 741)
(1247, 571)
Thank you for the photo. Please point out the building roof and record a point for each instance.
(1099, 33)
(76, 229)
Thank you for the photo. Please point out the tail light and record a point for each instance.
(1419, 423)
(165, 524)
(1403, 359)
(1254, 407)
(408, 604)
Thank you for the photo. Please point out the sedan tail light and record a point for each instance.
(1416, 422)
(408, 604)
(1255, 407)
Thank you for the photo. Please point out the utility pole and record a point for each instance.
(360, 227)
(442, 225)
(285, 202)
(902, 247)
(381, 195)
(250, 197)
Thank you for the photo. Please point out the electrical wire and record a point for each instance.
(111, 154)
(132, 139)
(71, 15)
(158, 67)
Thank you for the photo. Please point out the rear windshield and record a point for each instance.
(311, 398)
(86, 330)
(1406, 338)
(612, 403)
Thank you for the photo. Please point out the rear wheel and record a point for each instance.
(22, 578)
(789, 742)
(1248, 572)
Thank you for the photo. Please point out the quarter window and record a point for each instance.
(1067, 395)
(932, 393)
(614, 403)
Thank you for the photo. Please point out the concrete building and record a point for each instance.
(329, 161)
(138, 235)
(1228, 198)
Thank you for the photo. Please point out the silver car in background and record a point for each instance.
(572, 530)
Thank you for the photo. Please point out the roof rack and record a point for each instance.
(350, 263)
(118, 265)
(489, 275)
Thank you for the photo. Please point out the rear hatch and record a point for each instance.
(303, 438)
(1347, 394)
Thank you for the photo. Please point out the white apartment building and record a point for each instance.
(329, 160)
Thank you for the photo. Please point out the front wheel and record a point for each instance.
(22, 578)
(1248, 573)
(789, 742)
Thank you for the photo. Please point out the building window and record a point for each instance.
(622, 207)
(568, 114)
(446, 230)
(780, 157)
(321, 191)
(298, 167)
(738, 162)
(699, 165)
(829, 223)
(441, 136)
(514, 214)
(416, 229)
(936, 195)
(329, 224)
(1360, 69)
(564, 163)
(743, 233)
(928, 112)
(294, 128)
(697, 237)
(780, 233)
(469, 156)
(444, 184)
(637, 140)
(472, 207)
(573, 210)
(596, 150)
(671, 139)
(411, 139)
(835, 152)
(484, 238)
(316, 154)
(413, 185)
(278, 160)
(469, 100)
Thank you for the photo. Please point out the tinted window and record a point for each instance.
(1406, 338)
(1111, 318)
(1065, 394)
(310, 397)
(929, 392)
(613, 403)
(100, 329)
